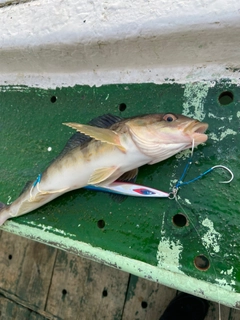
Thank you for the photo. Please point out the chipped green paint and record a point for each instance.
(211, 238)
(222, 135)
(139, 235)
(50, 228)
(194, 98)
(169, 254)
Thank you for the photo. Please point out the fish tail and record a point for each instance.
(4, 215)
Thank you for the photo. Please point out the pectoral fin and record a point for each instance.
(104, 135)
(129, 176)
(101, 174)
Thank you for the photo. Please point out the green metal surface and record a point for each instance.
(138, 229)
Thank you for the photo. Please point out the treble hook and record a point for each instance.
(225, 168)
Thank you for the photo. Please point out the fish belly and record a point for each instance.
(76, 172)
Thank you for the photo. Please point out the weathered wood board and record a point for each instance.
(26, 268)
(82, 289)
(146, 300)
(10, 310)
(67, 287)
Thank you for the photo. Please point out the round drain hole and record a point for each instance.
(225, 98)
(122, 107)
(180, 220)
(201, 262)
(101, 224)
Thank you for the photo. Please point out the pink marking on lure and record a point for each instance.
(144, 191)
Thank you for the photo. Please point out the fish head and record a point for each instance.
(163, 135)
(178, 128)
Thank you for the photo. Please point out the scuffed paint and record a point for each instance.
(227, 285)
(173, 182)
(213, 136)
(222, 135)
(213, 116)
(50, 229)
(194, 96)
(169, 254)
(183, 154)
(211, 237)
(238, 114)
(187, 201)
(226, 133)
(227, 272)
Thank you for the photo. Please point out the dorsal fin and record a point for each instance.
(104, 135)
(79, 139)
(105, 121)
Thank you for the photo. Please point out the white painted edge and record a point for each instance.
(97, 78)
(56, 43)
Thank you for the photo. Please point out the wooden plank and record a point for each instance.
(12, 310)
(83, 289)
(26, 264)
(146, 299)
(36, 316)
(234, 314)
(213, 312)
(36, 311)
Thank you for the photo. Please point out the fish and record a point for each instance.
(107, 149)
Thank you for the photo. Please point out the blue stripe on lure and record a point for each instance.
(130, 189)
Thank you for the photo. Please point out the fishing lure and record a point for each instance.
(130, 189)
(136, 190)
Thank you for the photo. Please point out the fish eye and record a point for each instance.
(169, 117)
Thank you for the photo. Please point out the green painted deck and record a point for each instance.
(140, 236)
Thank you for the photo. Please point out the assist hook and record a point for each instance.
(225, 168)
(182, 183)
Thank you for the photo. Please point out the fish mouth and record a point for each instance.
(196, 131)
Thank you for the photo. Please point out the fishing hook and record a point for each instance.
(173, 193)
(181, 183)
(225, 168)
